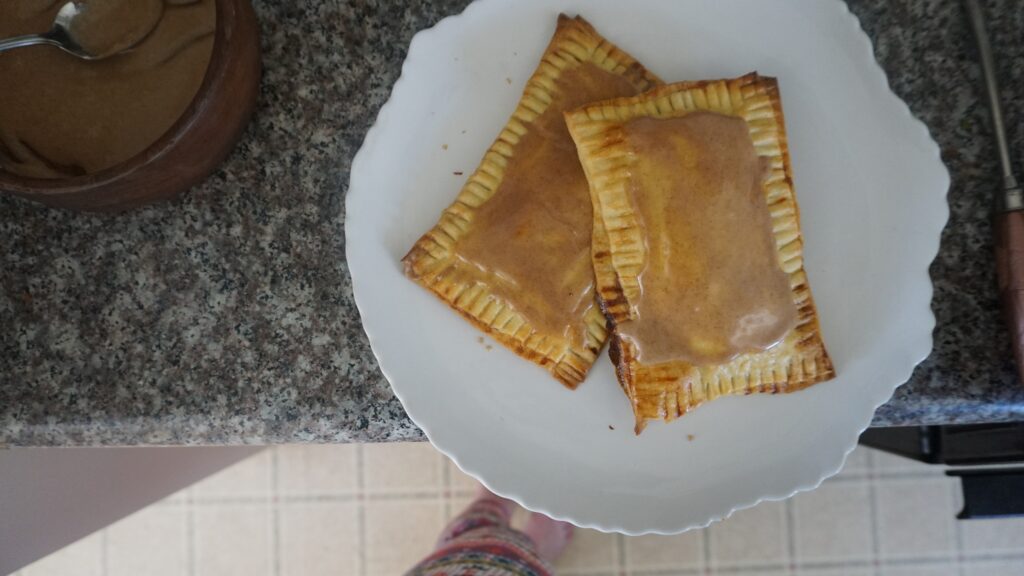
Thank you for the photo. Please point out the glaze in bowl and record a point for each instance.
(190, 150)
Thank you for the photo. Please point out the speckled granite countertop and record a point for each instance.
(227, 317)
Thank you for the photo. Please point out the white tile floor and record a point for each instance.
(374, 510)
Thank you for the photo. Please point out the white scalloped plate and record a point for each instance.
(871, 188)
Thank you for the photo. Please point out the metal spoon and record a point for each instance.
(61, 36)
(1009, 216)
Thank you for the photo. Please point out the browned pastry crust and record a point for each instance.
(431, 260)
(669, 389)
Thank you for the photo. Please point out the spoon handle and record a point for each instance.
(1009, 228)
(995, 105)
(29, 40)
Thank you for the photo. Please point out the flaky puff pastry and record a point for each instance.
(512, 253)
(668, 389)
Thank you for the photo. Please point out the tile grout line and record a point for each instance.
(958, 534)
(991, 556)
(705, 551)
(791, 528)
(984, 557)
(620, 552)
(873, 513)
(892, 562)
(314, 498)
(104, 552)
(183, 546)
(667, 572)
(446, 488)
(190, 532)
(361, 508)
(275, 513)
(753, 569)
(988, 557)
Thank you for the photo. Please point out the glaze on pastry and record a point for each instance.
(512, 253)
(697, 247)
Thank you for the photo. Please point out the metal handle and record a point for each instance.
(988, 67)
(22, 41)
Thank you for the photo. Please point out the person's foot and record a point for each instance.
(507, 506)
(549, 536)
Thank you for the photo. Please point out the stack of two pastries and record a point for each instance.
(659, 217)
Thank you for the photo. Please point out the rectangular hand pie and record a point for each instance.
(696, 244)
(512, 254)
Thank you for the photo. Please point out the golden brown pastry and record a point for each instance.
(512, 253)
(697, 247)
